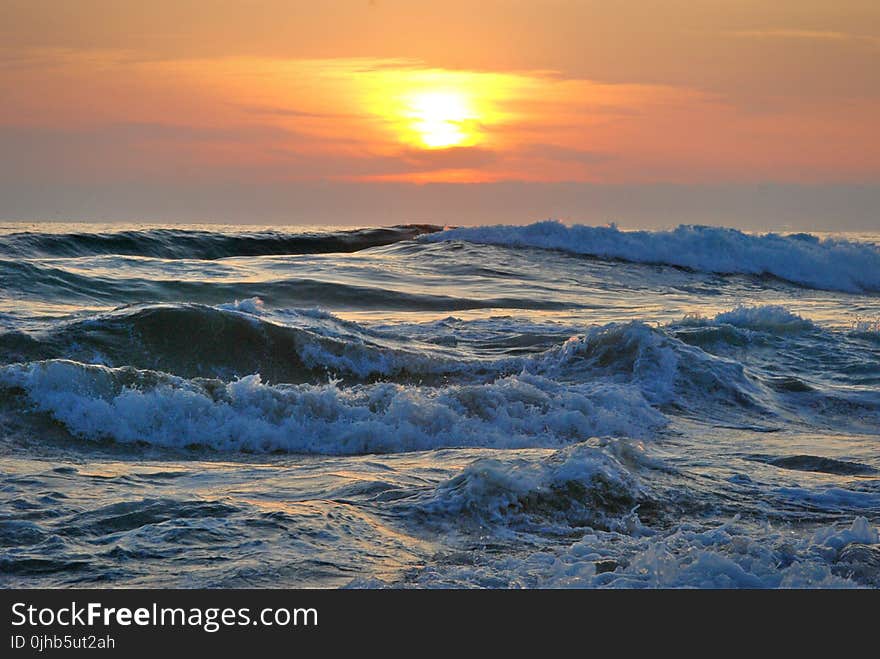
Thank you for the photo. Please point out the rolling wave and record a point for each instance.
(302, 345)
(129, 405)
(238, 378)
(57, 283)
(242, 338)
(596, 484)
(734, 445)
(193, 340)
(803, 259)
(191, 244)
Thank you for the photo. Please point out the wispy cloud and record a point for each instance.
(829, 36)
(565, 154)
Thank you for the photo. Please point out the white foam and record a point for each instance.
(868, 327)
(251, 305)
(831, 498)
(570, 482)
(804, 259)
(661, 366)
(767, 317)
(96, 402)
(664, 368)
(731, 555)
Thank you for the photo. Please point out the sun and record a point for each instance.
(432, 110)
(441, 119)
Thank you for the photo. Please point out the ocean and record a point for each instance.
(532, 406)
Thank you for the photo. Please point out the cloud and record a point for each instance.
(462, 157)
(565, 154)
(126, 149)
(278, 111)
(809, 35)
(151, 131)
(124, 136)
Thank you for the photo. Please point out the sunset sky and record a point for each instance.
(756, 114)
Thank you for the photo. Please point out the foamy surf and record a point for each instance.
(393, 407)
(832, 264)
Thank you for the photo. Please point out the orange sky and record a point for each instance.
(351, 91)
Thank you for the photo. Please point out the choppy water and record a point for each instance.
(498, 407)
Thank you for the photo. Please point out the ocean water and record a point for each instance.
(539, 406)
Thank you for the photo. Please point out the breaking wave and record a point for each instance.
(595, 484)
(239, 377)
(136, 406)
(803, 259)
(568, 428)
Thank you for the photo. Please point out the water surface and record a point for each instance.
(492, 407)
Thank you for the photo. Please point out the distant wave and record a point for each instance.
(190, 244)
(803, 259)
(58, 283)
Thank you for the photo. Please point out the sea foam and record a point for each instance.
(595, 484)
(730, 555)
(803, 259)
(131, 406)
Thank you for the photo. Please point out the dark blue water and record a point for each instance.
(545, 406)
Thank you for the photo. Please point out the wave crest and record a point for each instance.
(133, 406)
(802, 259)
(206, 245)
(594, 484)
